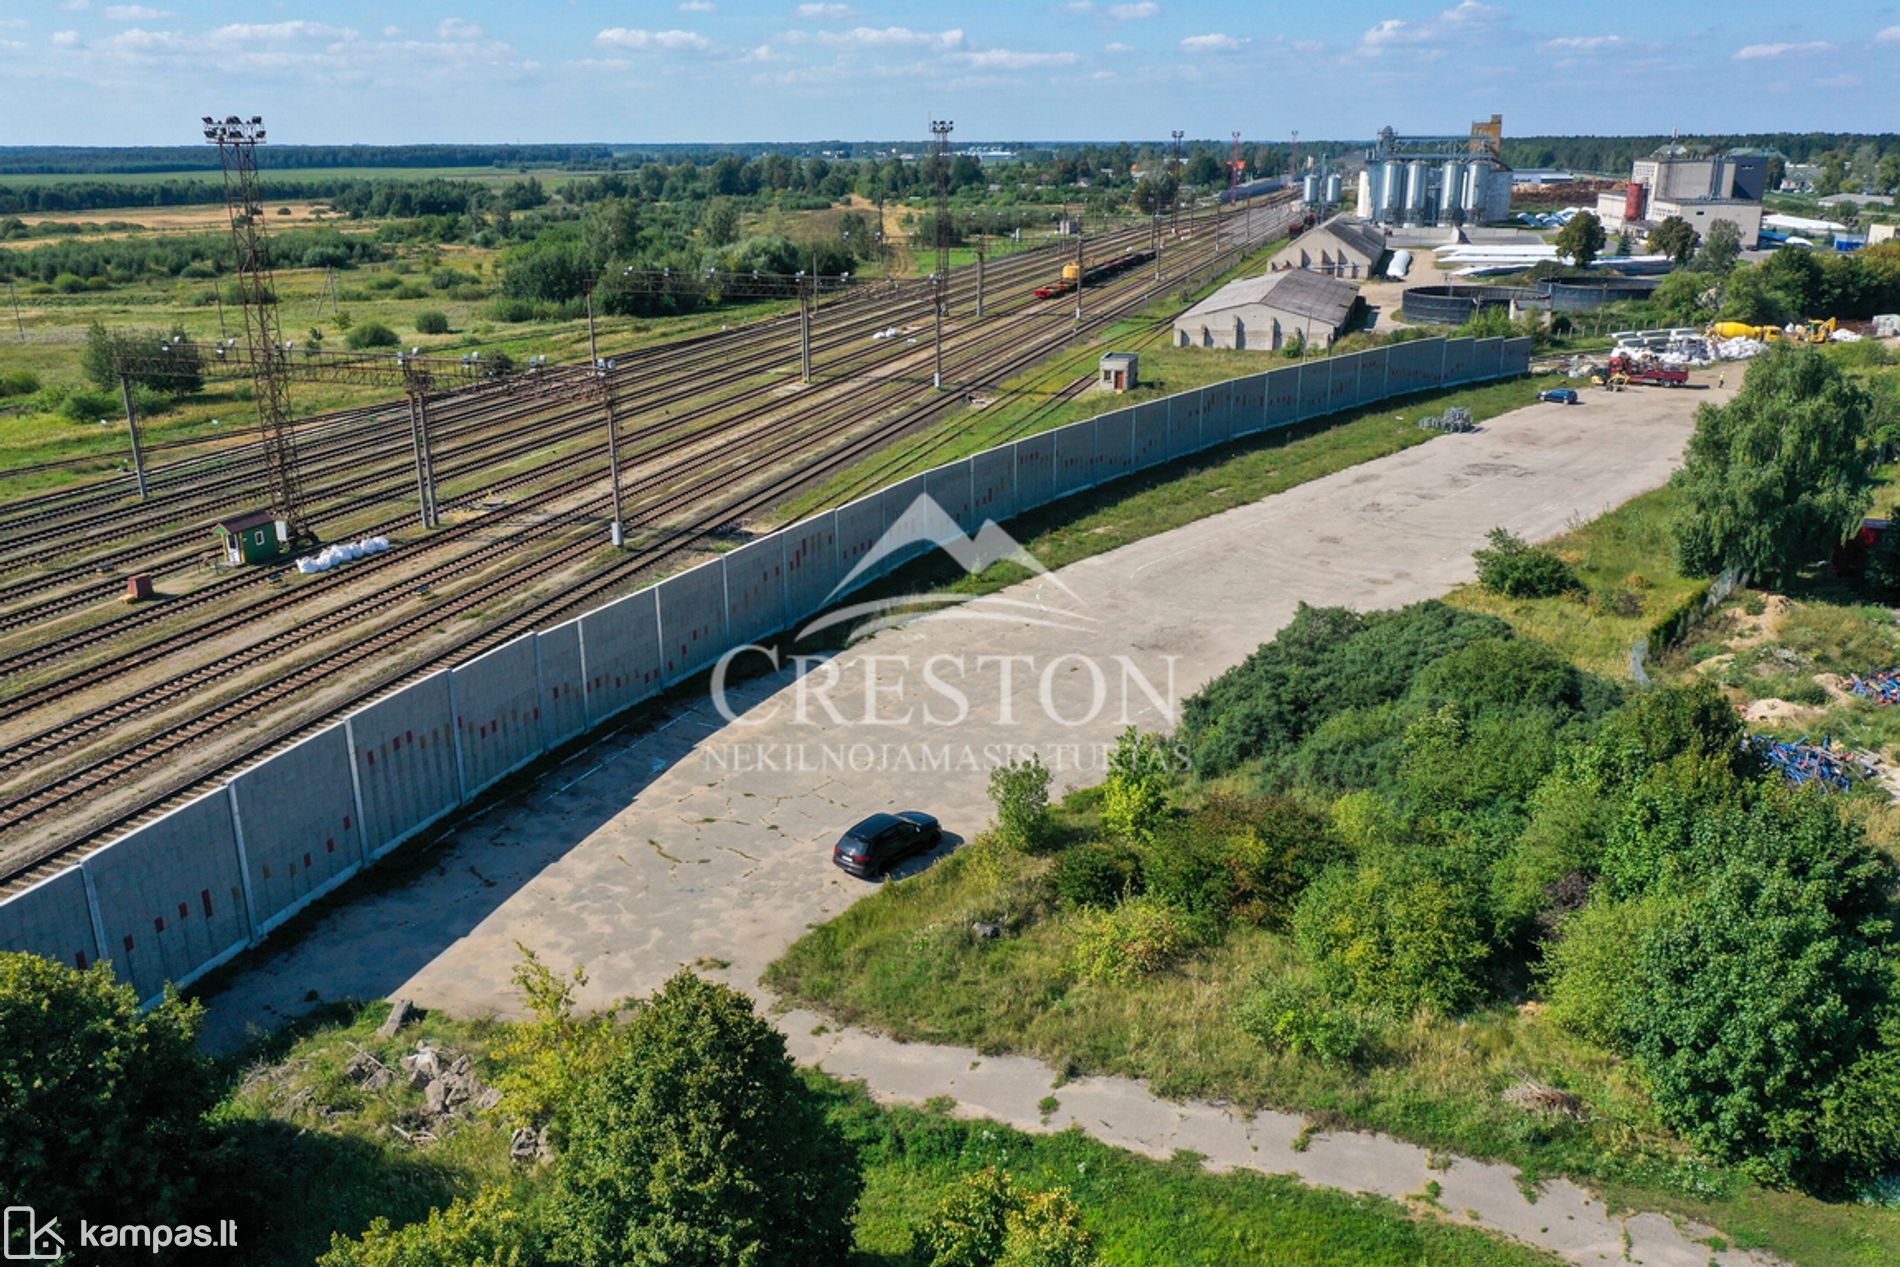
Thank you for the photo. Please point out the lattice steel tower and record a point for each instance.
(940, 130)
(237, 141)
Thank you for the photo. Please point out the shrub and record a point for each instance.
(101, 1102)
(409, 290)
(1590, 970)
(511, 309)
(382, 281)
(1290, 1016)
(989, 1220)
(1140, 936)
(69, 284)
(1394, 937)
(19, 383)
(487, 1230)
(82, 405)
(1133, 800)
(547, 1060)
(1514, 568)
(1020, 792)
(1096, 874)
(371, 334)
(432, 322)
(698, 1142)
(450, 278)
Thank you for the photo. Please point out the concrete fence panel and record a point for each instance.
(171, 896)
(622, 644)
(296, 817)
(910, 525)
(497, 713)
(1114, 444)
(1035, 463)
(563, 683)
(52, 919)
(1486, 356)
(1460, 356)
(949, 487)
(860, 524)
(1372, 376)
(993, 484)
(1184, 424)
(407, 775)
(1250, 404)
(1150, 435)
(1316, 381)
(755, 589)
(811, 564)
(1217, 414)
(1075, 458)
(1516, 357)
(1283, 396)
(692, 619)
(1344, 393)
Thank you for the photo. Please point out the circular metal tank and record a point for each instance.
(1392, 190)
(1475, 173)
(1416, 176)
(1332, 187)
(1448, 182)
(1309, 188)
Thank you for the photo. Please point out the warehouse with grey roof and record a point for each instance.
(1263, 313)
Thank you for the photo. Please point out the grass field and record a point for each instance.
(308, 1150)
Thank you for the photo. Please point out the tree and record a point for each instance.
(487, 1230)
(1777, 172)
(1133, 799)
(1721, 247)
(1581, 241)
(1781, 474)
(1685, 296)
(102, 1103)
(1673, 237)
(720, 222)
(698, 1145)
(989, 1220)
(1020, 792)
(1887, 175)
(171, 368)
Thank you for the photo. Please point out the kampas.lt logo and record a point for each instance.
(28, 1239)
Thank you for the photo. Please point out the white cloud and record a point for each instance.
(282, 32)
(894, 37)
(391, 32)
(622, 37)
(457, 29)
(697, 6)
(1010, 59)
(1889, 36)
(1460, 21)
(1755, 52)
(1584, 43)
(1119, 48)
(76, 6)
(1133, 12)
(824, 12)
(1076, 6)
(139, 40)
(134, 13)
(1213, 43)
(66, 39)
(11, 24)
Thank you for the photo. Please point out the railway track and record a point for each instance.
(702, 488)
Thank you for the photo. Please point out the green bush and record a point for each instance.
(371, 334)
(989, 1220)
(102, 1103)
(1020, 792)
(69, 284)
(82, 405)
(1096, 874)
(698, 1142)
(19, 383)
(382, 281)
(1291, 1016)
(1390, 935)
(1590, 970)
(511, 310)
(1134, 800)
(1141, 936)
(432, 322)
(488, 1230)
(409, 291)
(1514, 568)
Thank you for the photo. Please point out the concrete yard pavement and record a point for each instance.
(707, 842)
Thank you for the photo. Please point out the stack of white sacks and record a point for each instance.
(342, 552)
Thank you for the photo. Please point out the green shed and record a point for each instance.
(256, 536)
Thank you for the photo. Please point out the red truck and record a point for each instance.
(1633, 371)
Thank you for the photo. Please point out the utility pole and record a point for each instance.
(1079, 271)
(1175, 217)
(940, 129)
(20, 324)
(981, 243)
(132, 425)
(419, 441)
(603, 371)
(807, 302)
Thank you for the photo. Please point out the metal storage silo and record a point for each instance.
(1309, 188)
(1393, 190)
(1332, 187)
(1416, 175)
(1475, 173)
(1449, 182)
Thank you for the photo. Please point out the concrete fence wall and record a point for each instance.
(178, 896)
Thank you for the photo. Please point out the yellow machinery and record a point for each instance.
(1071, 272)
(1742, 330)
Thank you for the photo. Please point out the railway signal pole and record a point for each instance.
(940, 130)
(603, 370)
(1174, 225)
(132, 424)
(237, 141)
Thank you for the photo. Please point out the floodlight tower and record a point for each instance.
(1175, 217)
(237, 141)
(940, 130)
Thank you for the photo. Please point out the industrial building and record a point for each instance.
(1424, 181)
(1698, 188)
(1341, 247)
(1263, 313)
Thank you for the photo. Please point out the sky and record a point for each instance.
(88, 72)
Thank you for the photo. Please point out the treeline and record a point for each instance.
(115, 260)
(1614, 154)
(1790, 285)
(18, 160)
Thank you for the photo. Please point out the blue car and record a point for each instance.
(1560, 395)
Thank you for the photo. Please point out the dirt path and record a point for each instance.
(706, 841)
